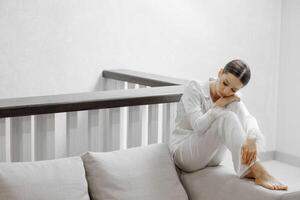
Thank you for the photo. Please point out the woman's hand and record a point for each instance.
(223, 101)
(248, 151)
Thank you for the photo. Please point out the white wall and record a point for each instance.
(288, 136)
(54, 47)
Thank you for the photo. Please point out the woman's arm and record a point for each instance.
(192, 100)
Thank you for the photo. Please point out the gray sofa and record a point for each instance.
(141, 173)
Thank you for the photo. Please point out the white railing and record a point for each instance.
(27, 136)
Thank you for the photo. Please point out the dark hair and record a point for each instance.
(239, 69)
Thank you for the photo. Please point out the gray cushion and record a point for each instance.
(146, 173)
(221, 183)
(60, 179)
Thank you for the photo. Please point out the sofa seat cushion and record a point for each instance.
(145, 173)
(221, 183)
(60, 179)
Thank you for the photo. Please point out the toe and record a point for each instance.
(280, 188)
(283, 187)
(270, 186)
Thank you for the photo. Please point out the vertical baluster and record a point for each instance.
(93, 137)
(124, 123)
(32, 125)
(2, 140)
(44, 136)
(169, 114)
(144, 114)
(113, 133)
(60, 125)
(77, 133)
(21, 139)
(153, 124)
(134, 126)
(97, 122)
(123, 127)
(8, 139)
(160, 122)
(96, 127)
(101, 84)
(72, 132)
(134, 136)
(113, 136)
(83, 117)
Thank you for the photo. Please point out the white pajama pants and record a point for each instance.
(198, 151)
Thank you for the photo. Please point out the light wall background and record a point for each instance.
(288, 135)
(54, 47)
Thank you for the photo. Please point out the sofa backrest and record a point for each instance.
(59, 179)
(146, 173)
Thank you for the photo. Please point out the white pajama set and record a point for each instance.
(203, 132)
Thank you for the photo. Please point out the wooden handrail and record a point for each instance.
(142, 78)
(164, 90)
(90, 100)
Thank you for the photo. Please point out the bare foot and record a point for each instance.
(263, 178)
(250, 175)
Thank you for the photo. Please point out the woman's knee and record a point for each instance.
(178, 160)
(228, 114)
(185, 162)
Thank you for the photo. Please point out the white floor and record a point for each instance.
(282, 171)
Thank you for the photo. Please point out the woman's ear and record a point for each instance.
(220, 72)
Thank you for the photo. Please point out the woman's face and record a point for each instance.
(227, 84)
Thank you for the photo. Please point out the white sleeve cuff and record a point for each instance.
(260, 138)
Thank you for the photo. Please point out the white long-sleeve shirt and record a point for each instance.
(196, 112)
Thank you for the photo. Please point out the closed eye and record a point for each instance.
(227, 85)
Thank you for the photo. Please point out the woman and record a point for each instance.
(211, 118)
